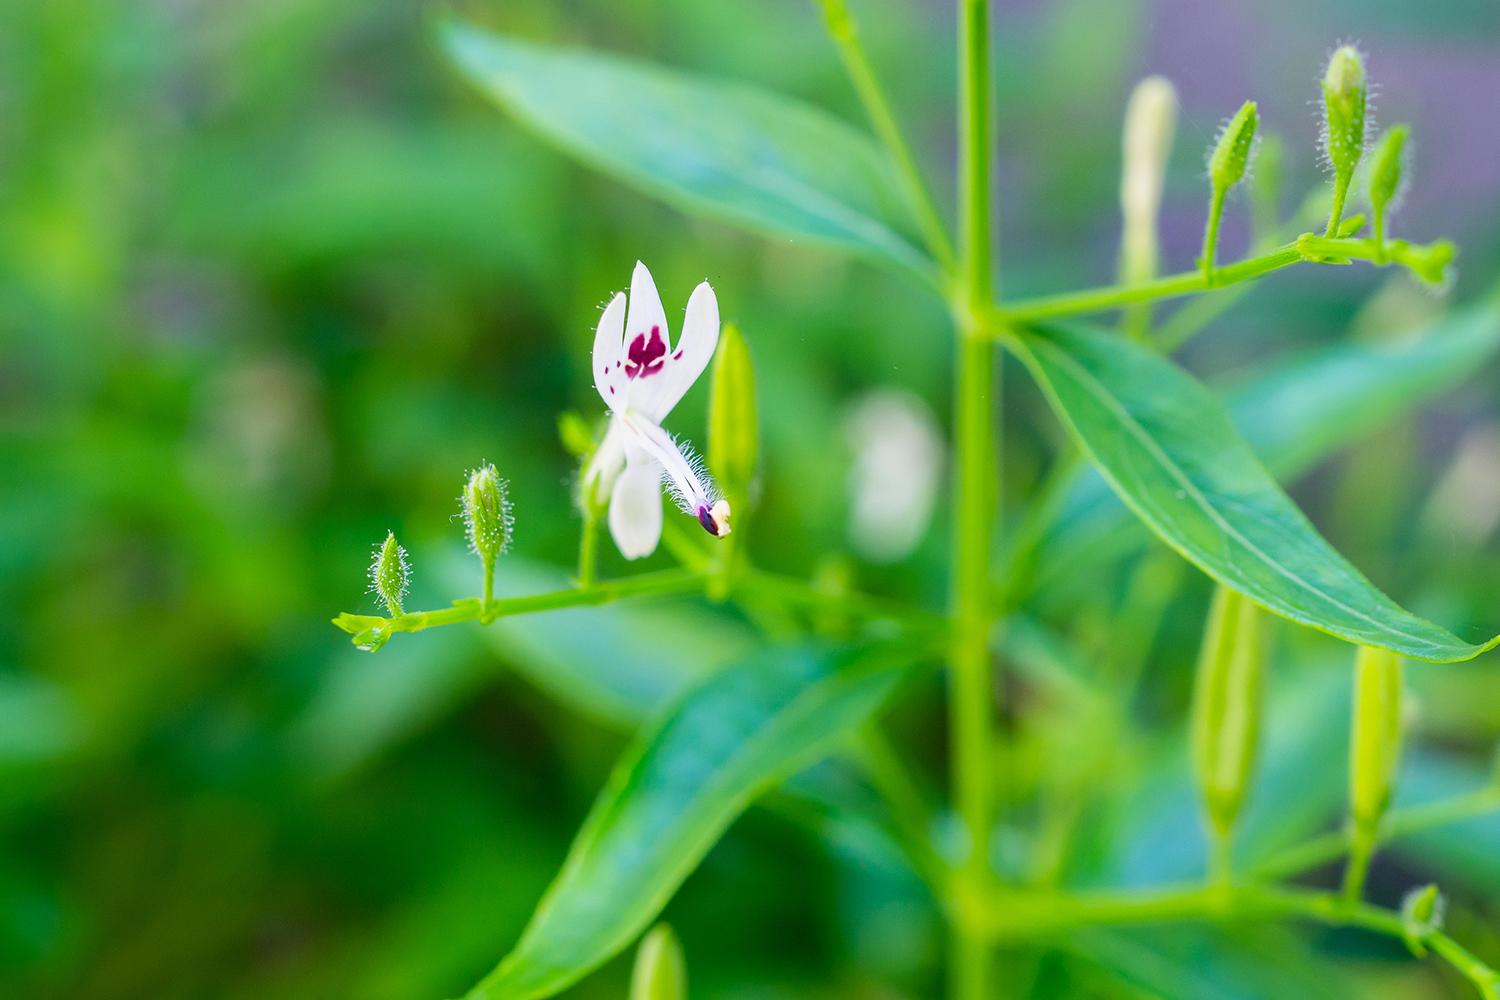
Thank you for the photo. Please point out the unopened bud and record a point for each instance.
(733, 421)
(1344, 91)
(1375, 745)
(1421, 917)
(390, 574)
(576, 434)
(1388, 167)
(1227, 699)
(660, 971)
(487, 514)
(1230, 157)
(1150, 122)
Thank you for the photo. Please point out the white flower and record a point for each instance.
(898, 466)
(640, 376)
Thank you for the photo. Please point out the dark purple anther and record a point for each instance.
(707, 520)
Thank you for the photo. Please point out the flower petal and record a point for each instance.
(646, 338)
(635, 510)
(609, 354)
(694, 349)
(608, 462)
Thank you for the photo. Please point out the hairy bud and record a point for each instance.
(390, 574)
(1421, 917)
(1344, 94)
(733, 421)
(1388, 167)
(487, 514)
(1230, 157)
(1227, 698)
(660, 971)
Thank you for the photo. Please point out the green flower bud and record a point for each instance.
(660, 971)
(1421, 917)
(1388, 167)
(1227, 699)
(487, 514)
(390, 573)
(1230, 157)
(1344, 91)
(576, 434)
(1375, 746)
(733, 422)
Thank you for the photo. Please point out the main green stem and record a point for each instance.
(971, 695)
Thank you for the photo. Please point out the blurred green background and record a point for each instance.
(272, 277)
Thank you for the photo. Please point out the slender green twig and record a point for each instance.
(845, 34)
(1020, 916)
(588, 551)
(1427, 260)
(1400, 823)
(910, 808)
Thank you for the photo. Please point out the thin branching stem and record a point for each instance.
(845, 34)
(1025, 916)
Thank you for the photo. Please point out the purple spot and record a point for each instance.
(707, 520)
(645, 357)
(677, 356)
(611, 390)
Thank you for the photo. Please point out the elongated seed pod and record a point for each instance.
(487, 513)
(660, 972)
(733, 421)
(1227, 699)
(1388, 167)
(1375, 743)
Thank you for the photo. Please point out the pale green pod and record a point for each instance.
(1230, 157)
(733, 420)
(660, 970)
(1146, 145)
(1228, 693)
(1375, 746)
(390, 573)
(1344, 98)
(1387, 167)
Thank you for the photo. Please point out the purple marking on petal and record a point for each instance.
(677, 356)
(611, 390)
(645, 357)
(707, 520)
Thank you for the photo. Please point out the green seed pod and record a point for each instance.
(1421, 917)
(487, 514)
(1344, 92)
(660, 970)
(1375, 746)
(390, 573)
(1227, 699)
(1266, 187)
(1388, 167)
(1230, 157)
(733, 434)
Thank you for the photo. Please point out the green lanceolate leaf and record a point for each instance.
(740, 154)
(676, 790)
(1293, 415)
(1167, 447)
